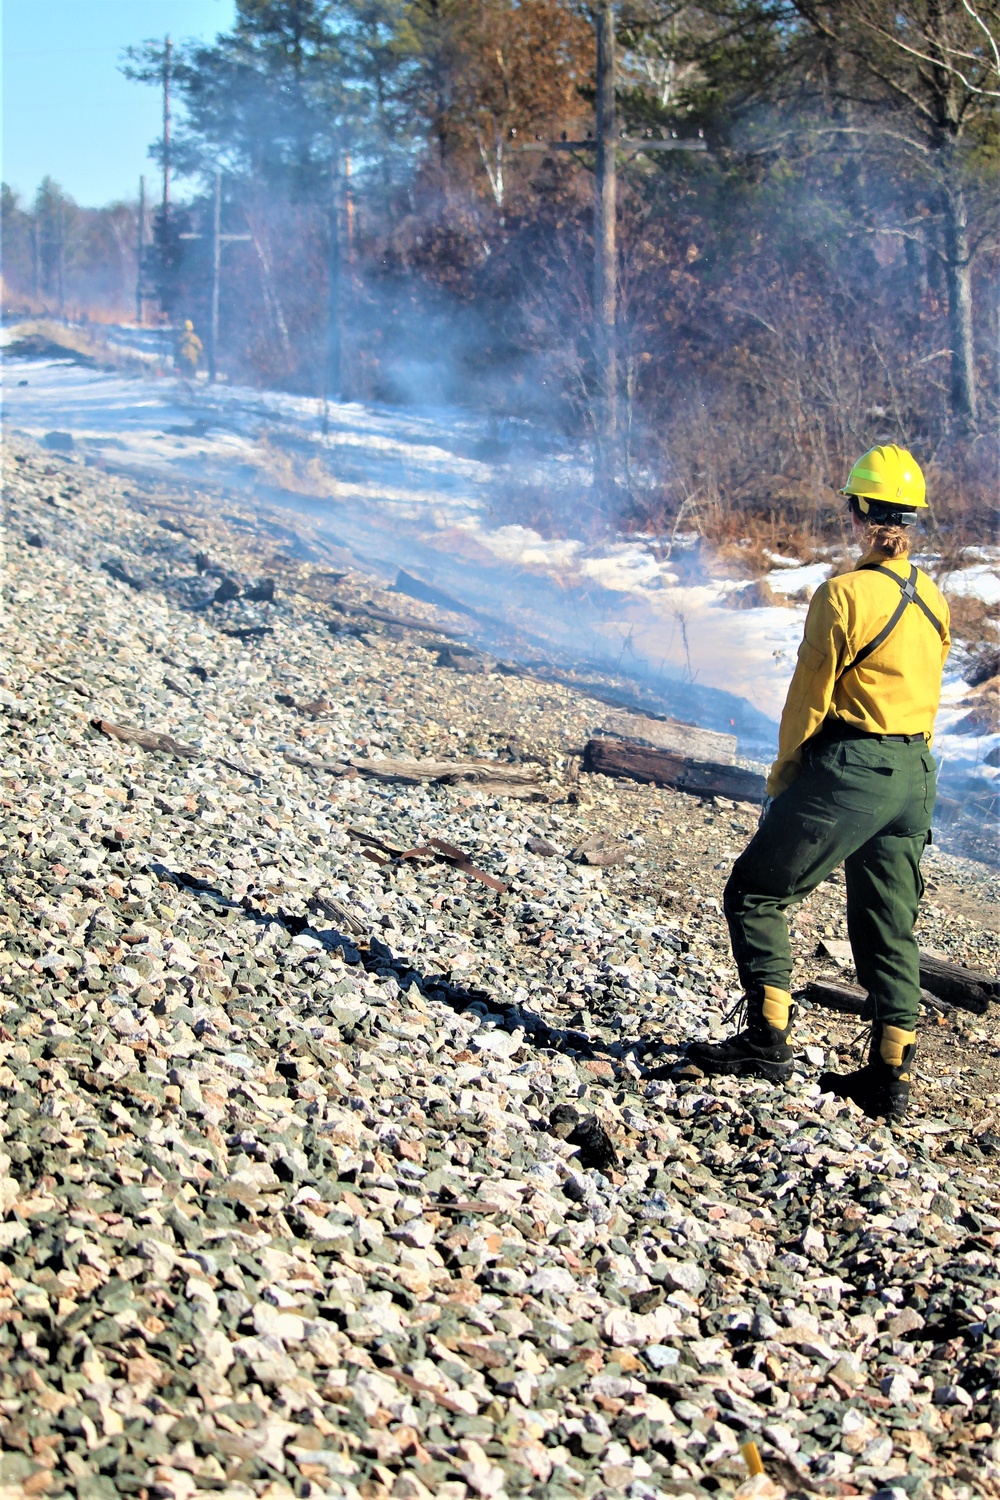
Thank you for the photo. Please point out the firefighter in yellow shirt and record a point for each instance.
(188, 351)
(853, 784)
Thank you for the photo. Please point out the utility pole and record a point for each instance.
(348, 208)
(332, 382)
(213, 320)
(605, 145)
(605, 256)
(218, 240)
(36, 259)
(167, 55)
(140, 254)
(60, 257)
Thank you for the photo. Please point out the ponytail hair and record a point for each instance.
(892, 540)
(882, 536)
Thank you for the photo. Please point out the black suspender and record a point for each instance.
(908, 589)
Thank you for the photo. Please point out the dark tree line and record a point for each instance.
(822, 278)
(61, 258)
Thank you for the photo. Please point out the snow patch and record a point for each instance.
(959, 752)
(981, 582)
(624, 567)
(404, 488)
(792, 580)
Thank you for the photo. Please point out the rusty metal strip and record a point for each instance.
(462, 862)
(435, 849)
(375, 843)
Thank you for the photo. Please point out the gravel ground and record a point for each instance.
(327, 1171)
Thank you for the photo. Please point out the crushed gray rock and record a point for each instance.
(328, 1169)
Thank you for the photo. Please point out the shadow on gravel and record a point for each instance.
(375, 956)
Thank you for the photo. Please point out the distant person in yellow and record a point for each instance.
(853, 784)
(188, 352)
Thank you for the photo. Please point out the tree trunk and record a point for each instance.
(213, 305)
(958, 272)
(917, 270)
(605, 260)
(332, 385)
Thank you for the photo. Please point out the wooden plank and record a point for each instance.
(667, 734)
(434, 849)
(662, 768)
(450, 772)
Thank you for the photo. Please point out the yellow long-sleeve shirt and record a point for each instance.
(896, 690)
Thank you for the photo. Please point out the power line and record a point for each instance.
(57, 52)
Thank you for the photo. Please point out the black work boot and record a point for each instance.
(882, 1087)
(761, 1050)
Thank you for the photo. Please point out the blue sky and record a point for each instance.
(67, 111)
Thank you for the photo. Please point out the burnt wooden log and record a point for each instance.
(416, 588)
(968, 989)
(169, 524)
(932, 1003)
(386, 617)
(701, 778)
(247, 632)
(465, 659)
(262, 592)
(119, 574)
(228, 590)
(667, 734)
(330, 767)
(849, 999)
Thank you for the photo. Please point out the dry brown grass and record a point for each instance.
(984, 667)
(972, 621)
(20, 305)
(962, 492)
(89, 345)
(746, 539)
(301, 473)
(551, 510)
(984, 709)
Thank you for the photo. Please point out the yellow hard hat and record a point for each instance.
(188, 326)
(888, 476)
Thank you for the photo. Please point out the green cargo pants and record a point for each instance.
(865, 803)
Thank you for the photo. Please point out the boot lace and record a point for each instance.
(739, 1011)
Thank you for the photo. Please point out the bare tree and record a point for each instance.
(928, 72)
